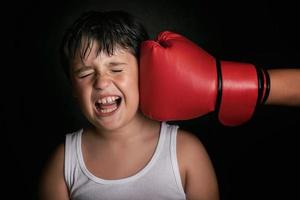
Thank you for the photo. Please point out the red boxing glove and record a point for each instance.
(181, 81)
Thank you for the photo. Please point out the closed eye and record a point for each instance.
(116, 70)
(86, 73)
(116, 67)
(83, 76)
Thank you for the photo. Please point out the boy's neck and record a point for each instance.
(139, 124)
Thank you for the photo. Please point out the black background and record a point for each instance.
(257, 160)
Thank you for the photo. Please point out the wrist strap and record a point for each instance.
(263, 85)
(267, 86)
(220, 85)
(260, 84)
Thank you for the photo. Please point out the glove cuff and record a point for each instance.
(241, 89)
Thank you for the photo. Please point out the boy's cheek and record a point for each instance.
(78, 90)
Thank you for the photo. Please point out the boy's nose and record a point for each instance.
(102, 81)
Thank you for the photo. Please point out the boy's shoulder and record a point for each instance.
(195, 166)
(53, 174)
(186, 139)
(190, 148)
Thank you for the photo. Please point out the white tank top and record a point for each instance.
(158, 180)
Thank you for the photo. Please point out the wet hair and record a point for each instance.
(110, 29)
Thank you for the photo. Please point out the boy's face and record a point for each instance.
(106, 87)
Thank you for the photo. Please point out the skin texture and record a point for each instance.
(123, 131)
(285, 87)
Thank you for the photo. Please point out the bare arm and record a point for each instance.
(200, 181)
(285, 87)
(52, 185)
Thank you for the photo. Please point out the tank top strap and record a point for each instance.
(70, 161)
(171, 134)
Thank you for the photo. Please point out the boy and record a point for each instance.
(123, 154)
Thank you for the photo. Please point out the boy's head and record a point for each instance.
(109, 29)
(100, 56)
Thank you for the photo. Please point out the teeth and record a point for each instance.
(108, 110)
(108, 100)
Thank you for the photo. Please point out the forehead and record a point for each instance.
(90, 50)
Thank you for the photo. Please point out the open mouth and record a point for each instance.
(108, 105)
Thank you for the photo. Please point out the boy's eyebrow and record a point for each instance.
(81, 68)
(116, 63)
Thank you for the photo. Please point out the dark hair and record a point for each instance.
(110, 29)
